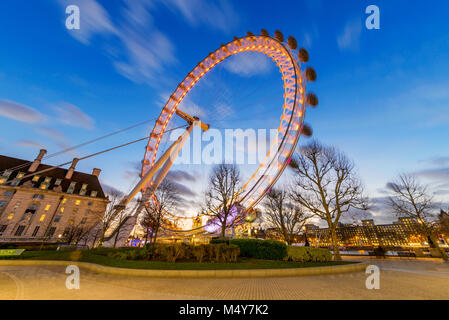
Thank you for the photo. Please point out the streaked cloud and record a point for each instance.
(349, 38)
(181, 175)
(436, 174)
(137, 50)
(146, 55)
(219, 15)
(94, 20)
(20, 112)
(73, 116)
(29, 144)
(52, 133)
(248, 64)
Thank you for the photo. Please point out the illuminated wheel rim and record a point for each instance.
(289, 130)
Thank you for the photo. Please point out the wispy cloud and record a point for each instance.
(74, 116)
(349, 39)
(52, 133)
(146, 55)
(215, 14)
(137, 50)
(20, 112)
(181, 175)
(94, 20)
(29, 144)
(248, 64)
(436, 174)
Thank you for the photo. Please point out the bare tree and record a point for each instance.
(110, 214)
(444, 222)
(221, 198)
(286, 218)
(411, 199)
(78, 229)
(327, 186)
(156, 210)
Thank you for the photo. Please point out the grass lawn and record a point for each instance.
(243, 263)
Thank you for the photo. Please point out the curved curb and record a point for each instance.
(253, 273)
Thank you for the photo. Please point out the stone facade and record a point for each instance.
(55, 205)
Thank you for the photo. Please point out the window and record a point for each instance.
(17, 179)
(8, 194)
(71, 187)
(11, 215)
(64, 200)
(58, 182)
(19, 231)
(83, 189)
(51, 232)
(35, 196)
(35, 178)
(2, 180)
(41, 197)
(83, 221)
(3, 228)
(77, 202)
(47, 207)
(46, 183)
(57, 219)
(2, 204)
(31, 209)
(93, 193)
(61, 209)
(7, 173)
(36, 230)
(90, 203)
(42, 218)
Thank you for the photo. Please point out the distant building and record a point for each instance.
(56, 205)
(402, 233)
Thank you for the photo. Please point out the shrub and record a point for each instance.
(307, 254)
(261, 249)
(176, 252)
(219, 240)
(200, 252)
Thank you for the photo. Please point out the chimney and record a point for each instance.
(37, 161)
(96, 172)
(71, 169)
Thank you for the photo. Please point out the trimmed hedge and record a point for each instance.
(219, 240)
(307, 254)
(261, 249)
(177, 252)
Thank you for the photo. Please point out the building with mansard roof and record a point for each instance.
(41, 203)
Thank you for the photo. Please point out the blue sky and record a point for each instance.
(384, 94)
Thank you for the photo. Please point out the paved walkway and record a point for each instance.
(399, 279)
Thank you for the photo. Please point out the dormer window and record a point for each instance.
(45, 184)
(93, 193)
(7, 173)
(36, 178)
(71, 187)
(83, 189)
(17, 179)
(4, 177)
(58, 182)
